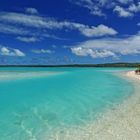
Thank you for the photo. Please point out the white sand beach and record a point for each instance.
(121, 123)
(132, 75)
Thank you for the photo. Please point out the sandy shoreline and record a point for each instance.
(121, 123)
(132, 75)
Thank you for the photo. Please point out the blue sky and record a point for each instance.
(69, 31)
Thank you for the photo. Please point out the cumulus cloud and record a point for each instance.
(108, 47)
(39, 51)
(39, 22)
(129, 11)
(6, 51)
(134, 7)
(122, 12)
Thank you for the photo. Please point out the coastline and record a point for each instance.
(120, 123)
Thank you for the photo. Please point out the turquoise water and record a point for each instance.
(33, 106)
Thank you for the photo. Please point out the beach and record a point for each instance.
(131, 74)
(124, 122)
(120, 123)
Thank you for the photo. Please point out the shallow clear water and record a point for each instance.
(33, 104)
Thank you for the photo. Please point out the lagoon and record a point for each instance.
(35, 102)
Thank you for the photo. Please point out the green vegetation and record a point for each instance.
(139, 67)
(81, 65)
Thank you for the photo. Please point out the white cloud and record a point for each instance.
(31, 10)
(27, 39)
(18, 52)
(10, 51)
(40, 22)
(134, 8)
(122, 12)
(9, 29)
(100, 30)
(93, 53)
(108, 47)
(92, 6)
(138, 24)
(128, 11)
(23, 19)
(124, 8)
(39, 51)
(125, 1)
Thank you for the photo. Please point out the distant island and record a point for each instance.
(80, 65)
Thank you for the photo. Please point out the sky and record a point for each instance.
(54, 32)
